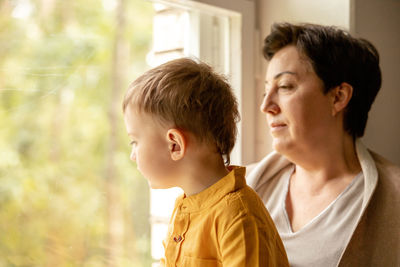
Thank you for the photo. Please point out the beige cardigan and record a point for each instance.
(376, 239)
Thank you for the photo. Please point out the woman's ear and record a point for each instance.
(341, 96)
(176, 144)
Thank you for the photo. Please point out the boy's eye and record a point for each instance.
(132, 143)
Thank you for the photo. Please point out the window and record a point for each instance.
(214, 34)
(69, 195)
(221, 33)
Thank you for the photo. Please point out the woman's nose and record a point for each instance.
(269, 104)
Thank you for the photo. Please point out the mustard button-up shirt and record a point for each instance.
(225, 225)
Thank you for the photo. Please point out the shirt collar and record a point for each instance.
(369, 170)
(233, 181)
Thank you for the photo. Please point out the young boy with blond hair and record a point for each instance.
(181, 117)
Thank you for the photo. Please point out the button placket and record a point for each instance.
(182, 224)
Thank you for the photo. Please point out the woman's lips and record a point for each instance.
(277, 126)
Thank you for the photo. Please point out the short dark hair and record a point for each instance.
(336, 57)
(193, 97)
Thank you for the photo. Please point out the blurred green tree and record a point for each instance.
(69, 195)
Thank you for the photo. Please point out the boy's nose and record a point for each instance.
(133, 155)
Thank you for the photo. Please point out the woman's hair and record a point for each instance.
(193, 97)
(336, 57)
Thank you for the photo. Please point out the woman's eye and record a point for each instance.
(286, 86)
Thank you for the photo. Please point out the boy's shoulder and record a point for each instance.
(242, 199)
(242, 209)
(242, 203)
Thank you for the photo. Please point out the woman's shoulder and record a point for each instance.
(388, 173)
(383, 163)
(379, 222)
(250, 167)
(270, 166)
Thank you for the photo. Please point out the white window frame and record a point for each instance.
(243, 62)
(242, 73)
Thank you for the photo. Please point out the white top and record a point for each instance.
(270, 171)
(322, 240)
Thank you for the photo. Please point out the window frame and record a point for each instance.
(243, 67)
(242, 75)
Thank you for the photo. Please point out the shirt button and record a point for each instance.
(178, 238)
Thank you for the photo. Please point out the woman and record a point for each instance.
(334, 202)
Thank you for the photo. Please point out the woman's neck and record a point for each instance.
(335, 159)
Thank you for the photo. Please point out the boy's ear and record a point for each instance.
(176, 144)
(341, 96)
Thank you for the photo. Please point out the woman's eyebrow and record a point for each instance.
(282, 73)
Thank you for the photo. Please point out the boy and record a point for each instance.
(181, 118)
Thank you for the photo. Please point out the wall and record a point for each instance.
(375, 20)
(379, 22)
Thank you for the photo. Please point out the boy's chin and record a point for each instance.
(158, 186)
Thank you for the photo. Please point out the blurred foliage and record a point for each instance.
(55, 87)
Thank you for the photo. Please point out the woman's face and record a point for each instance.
(298, 113)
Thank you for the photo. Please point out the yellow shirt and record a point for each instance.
(225, 225)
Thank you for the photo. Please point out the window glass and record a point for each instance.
(69, 195)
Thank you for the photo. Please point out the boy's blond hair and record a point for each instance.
(193, 97)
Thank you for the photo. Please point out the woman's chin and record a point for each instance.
(281, 146)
